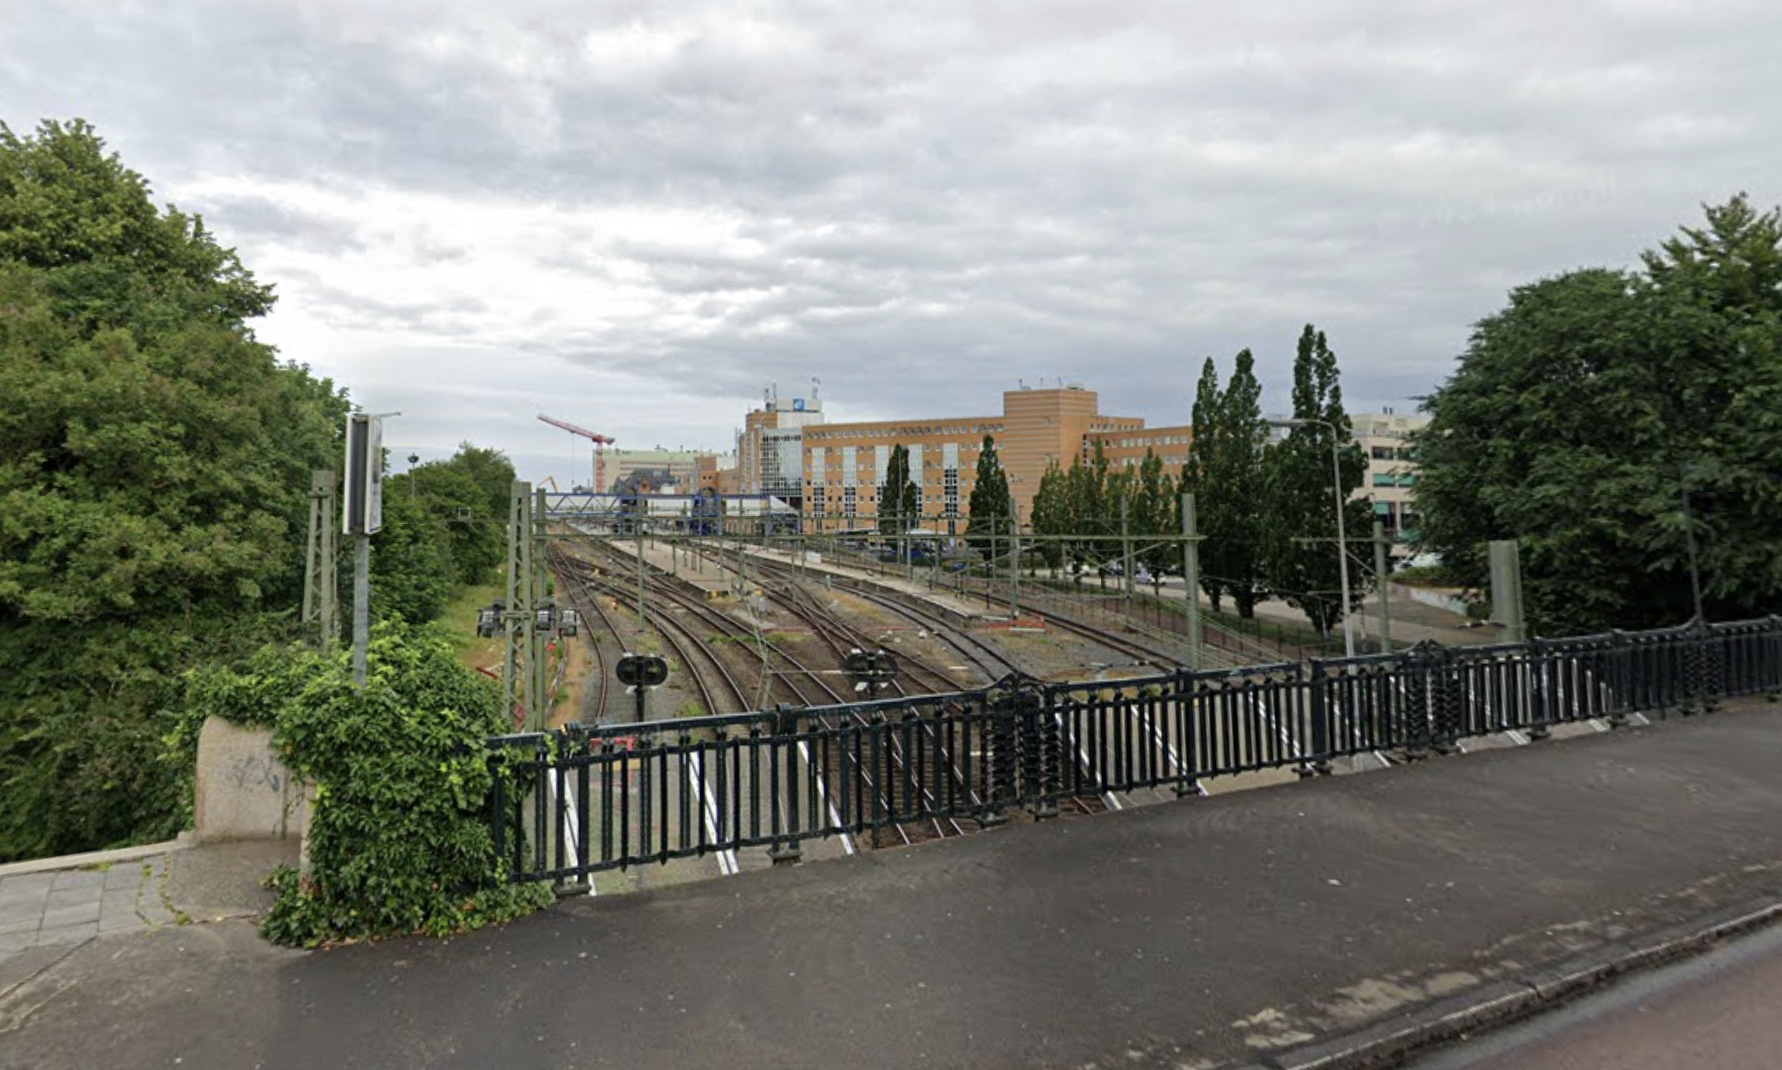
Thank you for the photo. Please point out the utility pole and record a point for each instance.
(642, 614)
(1191, 580)
(1380, 545)
(1125, 552)
(1014, 568)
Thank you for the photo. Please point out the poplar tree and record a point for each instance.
(1197, 469)
(1234, 504)
(991, 505)
(899, 506)
(1300, 531)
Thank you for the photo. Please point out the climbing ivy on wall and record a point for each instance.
(399, 840)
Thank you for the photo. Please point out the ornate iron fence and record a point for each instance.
(573, 802)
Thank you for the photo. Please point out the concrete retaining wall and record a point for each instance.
(243, 791)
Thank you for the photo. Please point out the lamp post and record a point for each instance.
(1336, 484)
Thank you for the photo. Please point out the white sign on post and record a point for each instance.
(364, 506)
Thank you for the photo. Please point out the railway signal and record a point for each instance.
(872, 670)
(642, 673)
(547, 619)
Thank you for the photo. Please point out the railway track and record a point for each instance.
(990, 662)
(920, 771)
(785, 677)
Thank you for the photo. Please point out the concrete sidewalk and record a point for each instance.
(1238, 929)
(46, 913)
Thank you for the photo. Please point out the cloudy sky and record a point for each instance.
(637, 216)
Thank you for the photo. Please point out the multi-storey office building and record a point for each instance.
(844, 464)
(770, 447)
(1391, 471)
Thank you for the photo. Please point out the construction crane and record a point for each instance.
(600, 443)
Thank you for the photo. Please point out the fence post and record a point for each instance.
(1773, 660)
(999, 702)
(1187, 690)
(1322, 714)
(1448, 699)
(1425, 677)
(788, 850)
(1039, 751)
(498, 806)
(1540, 683)
(1625, 661)
(1698, 694)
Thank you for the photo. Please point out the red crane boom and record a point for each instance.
(600, 443)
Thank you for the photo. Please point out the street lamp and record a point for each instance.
(1336, 484)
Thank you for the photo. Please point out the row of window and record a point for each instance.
(1149, 440)
(827, 434)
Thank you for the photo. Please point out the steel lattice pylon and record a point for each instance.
(321, 601)
(519, 680)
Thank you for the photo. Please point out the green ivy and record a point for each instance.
(399, 840)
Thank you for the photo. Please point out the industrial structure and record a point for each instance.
(599, 440)
(668, 471)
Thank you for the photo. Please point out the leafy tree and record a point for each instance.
(990, 506)
(1157, 514)
(1580, 413)
(154, 474)
(412, 571)
(110, 257)
(1197, 468)
(1118, 493)
(466, 499)
(1300, 531)
(492, 473)
(1233, 499)
(900, 507)
(1087, 491)
(1052, 513)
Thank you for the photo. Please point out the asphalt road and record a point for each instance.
(1210, 932)
(1723, 1010)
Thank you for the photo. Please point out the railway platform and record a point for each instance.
(1311, 924)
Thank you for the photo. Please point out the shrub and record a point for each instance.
(399, 841)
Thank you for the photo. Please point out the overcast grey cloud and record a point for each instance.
(636, 216)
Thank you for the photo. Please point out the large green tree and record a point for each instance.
(154, 472)
(1302, 491)
(900, 501)
(1093, 531)
(1197, 469)
(1156, 513)
(464, 501)
(991, 506)
(1230, 438)
(1581, 413)
(1052, 518)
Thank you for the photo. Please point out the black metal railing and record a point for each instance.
(576, 801)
